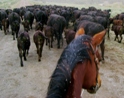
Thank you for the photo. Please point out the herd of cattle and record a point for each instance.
(52, 21)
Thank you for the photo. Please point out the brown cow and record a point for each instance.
(69, 35)
(118, 30)
(118, 22)
(39, 39)
(39, 26)
(5, 24)
(26, 25)
(49, 35)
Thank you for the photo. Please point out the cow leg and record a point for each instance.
(108, 32)
(13, 35)
(51, 42)
(27, 52)
(58, 43)
(39, 57)
(20, 55)
(36, 46)
(39, 54)
(62, 40)
(7, 26)
(24, 52)
(46, 42)
(1, 26)
(120, 38)
(16, 34)
(5, 30)
(4, 27)
(116, 36)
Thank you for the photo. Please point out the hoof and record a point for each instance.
(22, 65)
(25, 59)
(39, 60)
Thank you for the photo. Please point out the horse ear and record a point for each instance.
(79, 32)
(98, 38)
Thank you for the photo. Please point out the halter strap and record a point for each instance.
(97, 68)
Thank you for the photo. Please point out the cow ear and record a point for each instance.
(98, 38)
(80, 31)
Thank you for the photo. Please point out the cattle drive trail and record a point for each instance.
(31, 81)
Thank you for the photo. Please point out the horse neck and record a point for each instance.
(77, 79)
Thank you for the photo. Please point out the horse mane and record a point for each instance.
(75, 52)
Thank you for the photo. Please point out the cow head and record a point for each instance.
(26, 25)
(39, 26)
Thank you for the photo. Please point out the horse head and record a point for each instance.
(77, 68)
(96, 57)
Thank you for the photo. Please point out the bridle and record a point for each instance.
(95, 88)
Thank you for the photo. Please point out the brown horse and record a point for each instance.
(77, 68)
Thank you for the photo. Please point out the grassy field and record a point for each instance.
(116, 7)
(7, 3)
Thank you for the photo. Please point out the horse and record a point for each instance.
(77, 68)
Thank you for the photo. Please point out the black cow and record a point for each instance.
(41, 17)
(102, 20)
(75, 15)
(67, 15)
(22, 12)
(29, 16)
(14, 21)
(3, 16)
(17, 10)
(86, 17)
(8, 11)
(23, 44)
(92, 28)
(58, 24)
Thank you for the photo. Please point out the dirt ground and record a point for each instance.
(31, 81)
